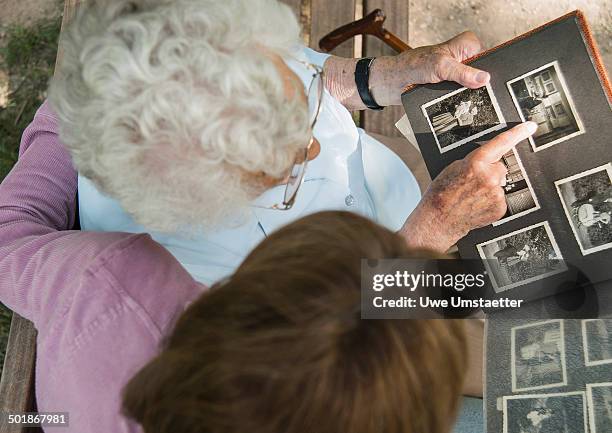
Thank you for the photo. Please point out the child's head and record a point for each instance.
(281, 348)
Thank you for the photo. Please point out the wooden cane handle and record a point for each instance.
(371, 24)
(393, 41)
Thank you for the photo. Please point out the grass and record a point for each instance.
(27, 56)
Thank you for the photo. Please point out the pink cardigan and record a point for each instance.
(101, 302)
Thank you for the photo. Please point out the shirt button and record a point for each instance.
(350, 200)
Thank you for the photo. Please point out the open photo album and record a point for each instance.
(544, 372)
(557, 231)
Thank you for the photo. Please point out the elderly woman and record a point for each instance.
(207, 124)
(103, 303)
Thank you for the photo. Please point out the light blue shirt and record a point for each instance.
(353, 172)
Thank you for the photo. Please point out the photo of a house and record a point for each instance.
(542, 97)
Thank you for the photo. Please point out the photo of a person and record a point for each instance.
(522, 257)
(534, 420)
(511, 252)
(463, 116)
(538, 356)
(594, 208)
(587, 201)
(545, 413)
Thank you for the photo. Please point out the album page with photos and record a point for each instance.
(557, 231)
(546, 376)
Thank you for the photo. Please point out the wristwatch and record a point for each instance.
(362, 80)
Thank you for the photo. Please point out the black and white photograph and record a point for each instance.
(520, 195)
(599, 402)
(542, 96)
(521, 257)
(463, 116)
(545, 413)
(538, 356)
(587, 201)
(597, 341)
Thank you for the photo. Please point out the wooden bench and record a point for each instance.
(318, 17)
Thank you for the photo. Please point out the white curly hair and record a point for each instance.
(166, 105)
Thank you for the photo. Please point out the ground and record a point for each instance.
(22, 13)
(26, 12)
(496, 21)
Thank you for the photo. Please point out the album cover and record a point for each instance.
(557, 232)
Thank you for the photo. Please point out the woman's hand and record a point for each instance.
(431, 64)
(466, 195)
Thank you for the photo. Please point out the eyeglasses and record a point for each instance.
(296, 177)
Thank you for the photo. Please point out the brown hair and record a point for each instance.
(281, 348)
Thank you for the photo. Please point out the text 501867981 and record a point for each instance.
(36, 419)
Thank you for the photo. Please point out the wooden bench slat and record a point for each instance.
(326, 16)
(17, 382)
(70, 9)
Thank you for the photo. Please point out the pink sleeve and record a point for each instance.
(41, 188)
(39, 260)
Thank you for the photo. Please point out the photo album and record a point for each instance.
(557, 231)
(543, 373)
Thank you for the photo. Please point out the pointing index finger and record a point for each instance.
(494, 150)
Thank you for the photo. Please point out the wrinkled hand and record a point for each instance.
(467, 194)
(423, 65)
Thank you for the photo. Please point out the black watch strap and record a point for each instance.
(362, 80)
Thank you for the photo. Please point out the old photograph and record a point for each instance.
(538, 356)
(599, 402)
(542, 96)
(521, 257)
(545, 413)
(587, 201)
(520, 196)
(597, 341)
(463, 116)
